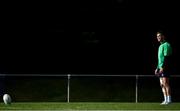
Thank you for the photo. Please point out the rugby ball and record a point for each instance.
(7, 99)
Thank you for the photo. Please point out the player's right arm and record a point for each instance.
(156, 71)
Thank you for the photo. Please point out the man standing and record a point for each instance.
(163, 67)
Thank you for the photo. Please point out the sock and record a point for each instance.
(168, 98)
(165, 98)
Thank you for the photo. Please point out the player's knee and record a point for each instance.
(162, 85)
(166, 85)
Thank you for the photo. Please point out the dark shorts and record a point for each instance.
(165, 74)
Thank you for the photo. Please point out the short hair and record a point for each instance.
(160, 32)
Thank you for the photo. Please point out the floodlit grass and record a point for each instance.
(87, 106)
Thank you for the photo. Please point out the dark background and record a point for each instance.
(87, 37)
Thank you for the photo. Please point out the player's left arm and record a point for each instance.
(167, 52)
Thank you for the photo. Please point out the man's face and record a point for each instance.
(160, 37)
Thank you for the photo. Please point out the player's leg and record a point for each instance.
(168, 89)
(162, 84)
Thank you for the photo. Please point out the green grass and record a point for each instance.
(87, 106)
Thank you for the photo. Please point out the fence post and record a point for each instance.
(68, 88)
(136, 88)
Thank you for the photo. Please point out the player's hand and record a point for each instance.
(161, 70)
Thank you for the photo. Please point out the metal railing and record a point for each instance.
(84, 75)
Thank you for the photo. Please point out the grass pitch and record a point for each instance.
(23, 106)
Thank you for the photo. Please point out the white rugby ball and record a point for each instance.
(7, 99)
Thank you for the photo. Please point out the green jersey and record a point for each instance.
(164, 50)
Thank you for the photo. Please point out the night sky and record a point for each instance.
(86, 37)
